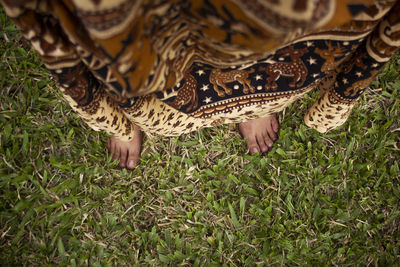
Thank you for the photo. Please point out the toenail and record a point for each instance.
(131, 164)
(254, 150)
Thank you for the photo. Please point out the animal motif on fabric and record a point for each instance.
(220, 78)
(187, 94)
(356, 61)
(294, 69)
(358, 86)
(330, 56)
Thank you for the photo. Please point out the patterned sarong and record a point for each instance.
(174, 66)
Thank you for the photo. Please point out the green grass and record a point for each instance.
(198, 199)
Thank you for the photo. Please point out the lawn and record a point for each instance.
(199, 199)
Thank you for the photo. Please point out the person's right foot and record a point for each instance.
(127, 153)
(260, 133)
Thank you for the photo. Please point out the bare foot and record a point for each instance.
(127, 153)
(260, 133)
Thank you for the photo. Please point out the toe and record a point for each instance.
(133, 159)
(109, 144)
(268, 140)
(270, 135)
(134, 151)
(116, 152)
(122, 159)
(275, 124)
(252, 145)
(263, 146)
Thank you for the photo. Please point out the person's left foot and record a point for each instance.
(260, 133)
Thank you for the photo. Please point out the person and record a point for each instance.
(170, 66)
